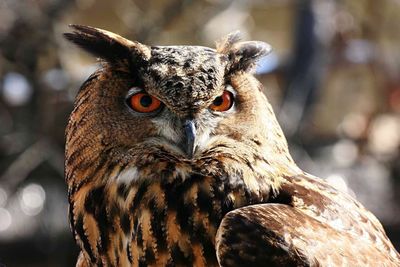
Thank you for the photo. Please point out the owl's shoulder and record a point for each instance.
(334, 208)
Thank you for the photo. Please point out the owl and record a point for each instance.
(174, 157)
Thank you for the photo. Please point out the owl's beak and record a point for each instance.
(190, 135)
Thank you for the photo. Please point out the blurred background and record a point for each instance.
(333, 80)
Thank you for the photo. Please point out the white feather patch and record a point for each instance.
(167, 130)
(128, 176)
(202, 141)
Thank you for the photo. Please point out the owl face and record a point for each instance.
(183, 99)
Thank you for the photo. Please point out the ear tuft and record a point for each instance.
(242, 55)
(107, 45)
(225, 44)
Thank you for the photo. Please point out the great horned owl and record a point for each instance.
(174, 157)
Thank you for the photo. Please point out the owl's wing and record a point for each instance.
(280, 235)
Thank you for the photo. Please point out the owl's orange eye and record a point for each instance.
(144, 103)
(223, 102)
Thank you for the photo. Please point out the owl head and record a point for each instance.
(184, 100)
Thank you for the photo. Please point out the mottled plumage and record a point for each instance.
(190, 185)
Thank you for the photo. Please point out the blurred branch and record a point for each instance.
(25, 163)
(305, 69)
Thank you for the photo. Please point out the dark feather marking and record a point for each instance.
(209, 252)
(227, 205)
(283, 197)
(98, 44)
(94, 204)
(219, 193)
(123, 190)
(81, 232)
(170, 190)
(149, 256)
(184, 215)
(256, 141)
(135, 228)
(93, 199)
(142, 262)
(185, 211)
(71, 217)
(104, 228)
(204, 201)
(129, 253)
(125, 223)
(179, 257)
(200, 235)
(138, 196)
(139, 236)
(158, 226)
(113, 211)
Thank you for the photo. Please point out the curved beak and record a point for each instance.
(190, 137)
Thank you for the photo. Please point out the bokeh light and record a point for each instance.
(16, 89)
(32, 199)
